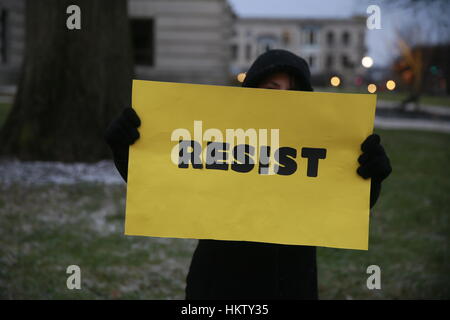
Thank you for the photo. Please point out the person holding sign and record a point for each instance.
(256, 270)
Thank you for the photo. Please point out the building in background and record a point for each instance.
(182, 40)
(12, 40)
(332, 47)
(202, 41)
(173, 40)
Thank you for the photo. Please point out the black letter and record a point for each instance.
(284, 157)
(212, 157)
(243, 151)
(264, 160)
(313, 155)
(194, 156)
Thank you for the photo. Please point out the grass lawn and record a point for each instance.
(46, 228)
(409, 228)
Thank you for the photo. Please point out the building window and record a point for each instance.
(248, 52)
(234, 51)
(286, 38)
(310, 35)
(346, 63)
(267, 42)
(142, 30)
(330, 38)
(3, 36)
(312, 62)
(329, 62)
(346, 38)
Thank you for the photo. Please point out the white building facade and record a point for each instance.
(330, 46)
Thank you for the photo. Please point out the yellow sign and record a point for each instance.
(229, 163)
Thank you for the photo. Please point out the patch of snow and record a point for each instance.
(41, 173)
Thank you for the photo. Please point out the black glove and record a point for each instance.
(121, 133)
(374, 164)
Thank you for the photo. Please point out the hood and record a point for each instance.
(276, 61)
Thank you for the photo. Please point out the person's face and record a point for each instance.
(280, 81)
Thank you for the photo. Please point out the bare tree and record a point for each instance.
(73, 81)
(431, 15)
(428, 27)
(412, 63)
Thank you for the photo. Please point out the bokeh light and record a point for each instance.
(335, 81)
(390, 85)
(367, 62)
(241, 77)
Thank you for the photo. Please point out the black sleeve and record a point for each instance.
(375, 189)
(120, 156)
(122, 167)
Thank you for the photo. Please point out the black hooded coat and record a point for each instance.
(253, 270)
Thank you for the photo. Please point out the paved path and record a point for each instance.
(428, 118)
(412, 124)
(436, 110)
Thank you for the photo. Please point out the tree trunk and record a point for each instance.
(73, 82)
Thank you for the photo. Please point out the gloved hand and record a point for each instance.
(120, 134)
(374, 164)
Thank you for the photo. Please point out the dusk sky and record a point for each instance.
(297, 8)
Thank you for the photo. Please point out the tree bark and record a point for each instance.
(73, 82)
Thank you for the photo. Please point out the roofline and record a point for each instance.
(356, 19)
